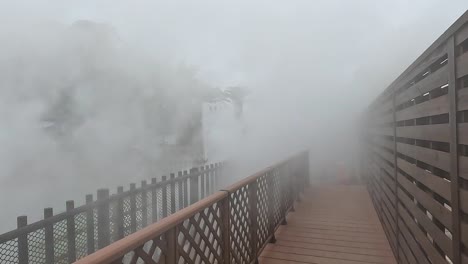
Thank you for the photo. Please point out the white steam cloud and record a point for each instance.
(309, 68)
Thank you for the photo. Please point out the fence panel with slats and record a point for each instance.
(416, 154)
(80, 231)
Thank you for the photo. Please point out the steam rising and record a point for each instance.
(83, 84)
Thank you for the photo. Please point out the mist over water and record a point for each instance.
(309, 69)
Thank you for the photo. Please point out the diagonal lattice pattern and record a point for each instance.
(60, 242)
(263, 219)
(240, 229)
(152, 251)
(8, 252)
(36, 242)
(199, 238)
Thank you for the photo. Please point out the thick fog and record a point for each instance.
(80, 79)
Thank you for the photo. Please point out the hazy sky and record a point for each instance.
(311, 66)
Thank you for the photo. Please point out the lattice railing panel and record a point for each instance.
(263, 220)
(81, 235)
(60, 242)
(199, 237)
(239, 230)
(153, 251)
(36, 246)
(9, 252)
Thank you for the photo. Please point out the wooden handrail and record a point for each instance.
(231, 214)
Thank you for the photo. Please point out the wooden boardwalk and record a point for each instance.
(332, 225)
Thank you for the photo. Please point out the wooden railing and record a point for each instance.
(80, 231)
(232, 225)
(416, 154)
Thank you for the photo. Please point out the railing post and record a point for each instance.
(226, 228)
(186, 189)
(154, 200)
(90, 225)
(49, 237)
(180, 190)
(270, 205)
(202, 182)
(144, 205)
(212, 176)
(253, 212)
(292, 185)
(103, 218)
(119, 214)
(193, 185)
(71, 234)
(164, 196)
(173, 196)
(284, 193)
(23, 251)
(132, 194)
(171, 238)
(454, 166)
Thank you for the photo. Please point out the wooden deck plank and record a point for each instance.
(332, 225)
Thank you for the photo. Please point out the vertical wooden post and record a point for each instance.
(193, 185)
(172, 246)
(133, 223)
(164, 196)
(154, 200)
(90, 225)
(207, 180)
(180, 191)
(395, 178)
(103, 220)
(284, 193)
(452, 93)
(71, 234)
(212, 176)
(186, 190)
(23, 251)
(202, 182)
(292, 186)
(49, 237)
(253, 213)
(270, 205)
(226, 229)
(173, 196)
(119, 214)
(144, 205)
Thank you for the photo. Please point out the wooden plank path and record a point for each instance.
(334, 224)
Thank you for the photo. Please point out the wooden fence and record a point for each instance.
(232, 225)
(416, 153)
(78, 232)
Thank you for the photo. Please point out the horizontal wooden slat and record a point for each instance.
(463, 167)
(463, 200)
(419, 236)
(439, 132)
(462, 99)
(383, 119)
(419, 67)
(463, 133)
(432, 81)
(464, 232)
(462, 65)
(384, 131)
(409, 255)
(461, 35)
(432, 107)
(432, 157)
(431, 181)
(438, 235)
(384, 154)
(381, 142)
(436, 209)
(413, 245)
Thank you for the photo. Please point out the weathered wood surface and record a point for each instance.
(332, 224)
